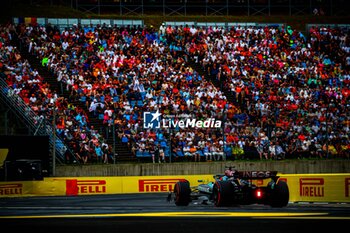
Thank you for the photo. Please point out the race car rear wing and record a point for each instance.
(252, 175)
(255, 175)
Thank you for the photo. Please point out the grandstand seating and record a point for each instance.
(269, 84)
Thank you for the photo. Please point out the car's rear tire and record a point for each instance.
(279, 194)
(182, 192)
(223, 192)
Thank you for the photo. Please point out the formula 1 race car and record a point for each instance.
(234, 188)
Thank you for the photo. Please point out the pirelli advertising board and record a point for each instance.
(302, 187)
(318, 187)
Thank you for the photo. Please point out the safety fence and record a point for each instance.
(222, 24)
(63, 23)
(36, 123)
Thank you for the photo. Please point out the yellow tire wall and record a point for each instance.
(302, 187)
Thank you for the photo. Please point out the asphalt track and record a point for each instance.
(153, 213)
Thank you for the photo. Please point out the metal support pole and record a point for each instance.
(290, 7)
(248, 6)
(142, 8)
(114, 159)
(206, 7)
(120, 8)
(227, 11)
(6, 121)
(99, 7)
(327, 126)
(54, 143)
(327, 138)
(170, 137)
(311, 10)
(185, 8)
(275, 128)
(223, 119)
(223, 131)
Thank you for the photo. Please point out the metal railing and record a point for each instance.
(62, 23)
(36, 123)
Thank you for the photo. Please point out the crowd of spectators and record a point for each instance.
(294, 90)
(291, 93)
(71, 122)
(121, 72)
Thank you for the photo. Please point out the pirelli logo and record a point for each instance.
(157, 185)
(311, 187)
(11, 189)
(76, 187)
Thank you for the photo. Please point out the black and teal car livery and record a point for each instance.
(234, 188)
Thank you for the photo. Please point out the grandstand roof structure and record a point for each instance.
(200, 7)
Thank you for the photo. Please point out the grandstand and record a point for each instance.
(278, 93)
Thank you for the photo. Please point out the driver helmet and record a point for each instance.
(229, 172)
